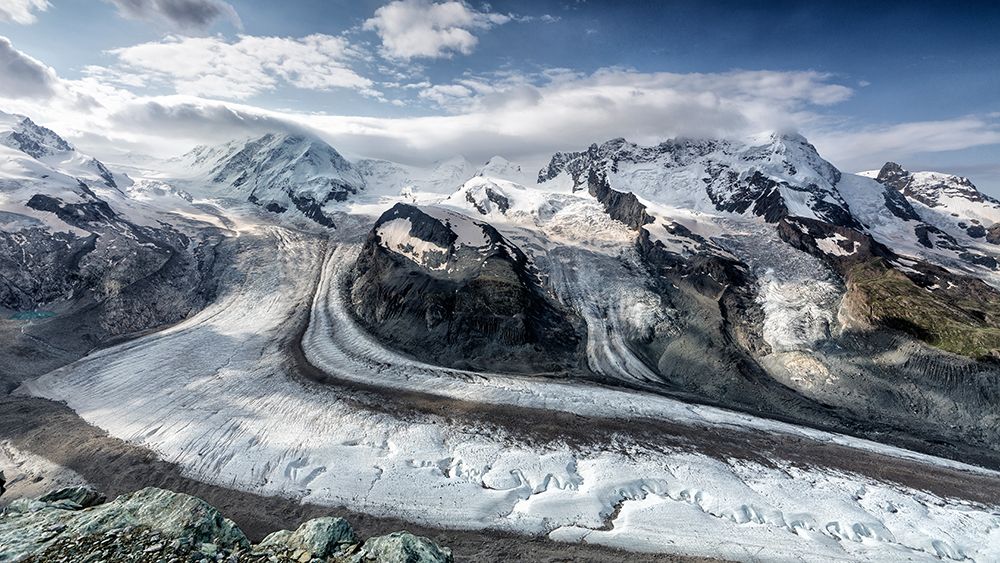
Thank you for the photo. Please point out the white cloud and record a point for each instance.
(870, 147)
(215, 67)
(23, 76)
(181, 15)
(420, 28)
(21, 11)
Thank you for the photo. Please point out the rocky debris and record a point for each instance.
(3, 483)
(156, 525)
(472, 301)
(51, 529)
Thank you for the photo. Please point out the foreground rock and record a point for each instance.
(75, 524)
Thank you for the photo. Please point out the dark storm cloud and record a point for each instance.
(182, 15)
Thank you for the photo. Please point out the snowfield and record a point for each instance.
(217, 394)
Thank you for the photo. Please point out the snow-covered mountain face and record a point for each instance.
(950, 203)
(772, 177)
(278, 172)
(42, 144)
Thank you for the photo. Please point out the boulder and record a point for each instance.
(81, 497)
(402, 547)
(322, 537)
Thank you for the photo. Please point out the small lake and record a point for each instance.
(29, 315)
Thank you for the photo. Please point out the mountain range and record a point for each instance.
(771, 281)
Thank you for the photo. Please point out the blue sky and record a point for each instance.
(867, 82)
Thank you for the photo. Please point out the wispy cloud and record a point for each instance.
(871, 146)
(22, 11)
(242, 68)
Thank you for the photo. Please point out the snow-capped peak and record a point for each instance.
(277, 171)
(770, 176)
(933, 189)
(41, 143)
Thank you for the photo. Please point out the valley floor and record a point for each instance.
(272, 404)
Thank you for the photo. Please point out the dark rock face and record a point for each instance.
(898, 205)
(471, 308)
(107, 279)
(502, 203)
(976, 231)
(993, 234)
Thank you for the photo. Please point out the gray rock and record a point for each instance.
(322, 537)
(82, 497)
(402, 547)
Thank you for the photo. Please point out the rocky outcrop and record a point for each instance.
(455, 292)
(154, 525)
(321, 537)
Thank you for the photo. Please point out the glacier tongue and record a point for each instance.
(229, 413)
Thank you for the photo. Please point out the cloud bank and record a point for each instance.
(525, 117)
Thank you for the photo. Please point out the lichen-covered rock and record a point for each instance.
(402, 547)
(83, 497)
(322, 537)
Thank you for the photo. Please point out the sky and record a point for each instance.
(418, 81)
